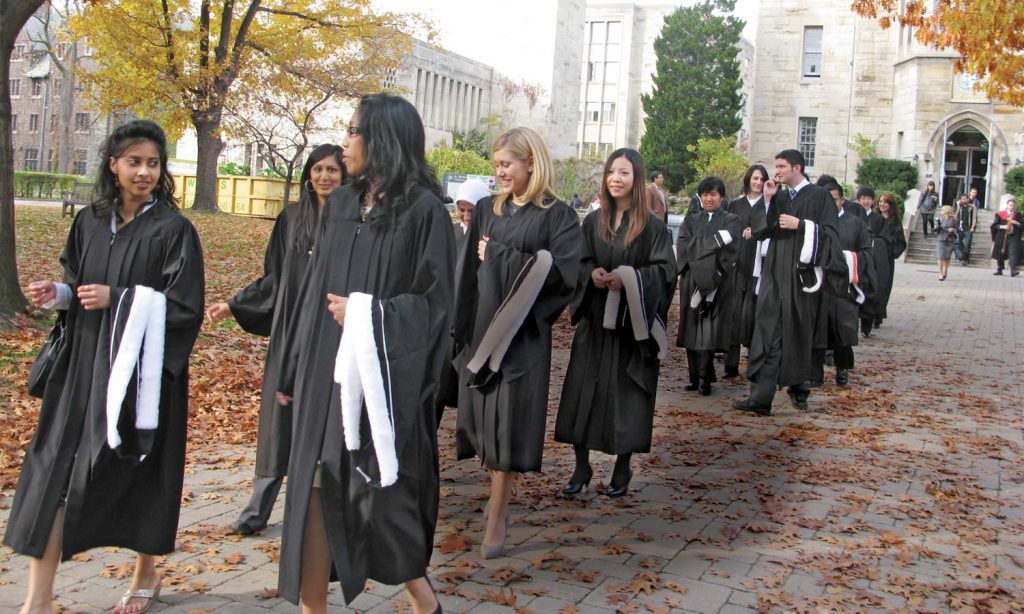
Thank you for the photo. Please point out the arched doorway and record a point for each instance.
(966, 159)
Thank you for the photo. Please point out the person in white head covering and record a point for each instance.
(466, 197)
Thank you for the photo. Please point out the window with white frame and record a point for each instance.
(37, 88)
(807, 137)
(593, 112)
(79, 161)
(812, 51)
(15, 86)
(31, 159)
(33, 122)
(81, 122)
(608, 113)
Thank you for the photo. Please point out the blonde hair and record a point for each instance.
(525, 144)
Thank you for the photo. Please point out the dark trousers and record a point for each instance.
(968, 237)
(257, 512)
(732, 359)
(700, 365)
(928, 219)
(843, 357)
(764, 384)
(865, 325)
(1013, 255)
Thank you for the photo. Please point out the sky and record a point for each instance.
(470, 28)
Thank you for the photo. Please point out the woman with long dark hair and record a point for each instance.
(889, 243)
(519, 272)
(743, 281)
(106, 465)
(264, 308)
(363, 365)
(619, 309)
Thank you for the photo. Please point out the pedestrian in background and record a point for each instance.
(1006, 233)
(927, 205)
(946, 239)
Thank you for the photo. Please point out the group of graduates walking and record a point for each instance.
(371, 302)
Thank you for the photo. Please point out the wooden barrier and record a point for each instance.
(240, 195)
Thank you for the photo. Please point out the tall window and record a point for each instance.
(31, 159)
(611, 72)
(595, 72)
(812, 51)
(614, 31)
(37, 88)
(18, 53)
(15, 88)
(593, 112)
(33, 122)
(78, 162)
(81, 122)
(807, 138)
(608, 113)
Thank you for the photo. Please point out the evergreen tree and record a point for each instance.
(696, 87)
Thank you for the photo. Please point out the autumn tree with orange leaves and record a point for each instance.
(180, 62)
(988, 35)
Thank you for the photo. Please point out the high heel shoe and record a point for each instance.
(487, 551)
(576, 485)
(618, 491)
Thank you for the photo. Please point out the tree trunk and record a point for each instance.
(207, 125)
(67, 109)
(15, 14)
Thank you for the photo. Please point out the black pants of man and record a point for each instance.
(256, 514)
(732, 359)
(928, 219)
(841, 355)
(766, 381)
(1013, 256)
(700, 365)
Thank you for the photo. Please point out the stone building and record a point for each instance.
(37, 91)
(823, 76)
(618, 65)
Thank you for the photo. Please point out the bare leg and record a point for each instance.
(41, 572)
(316, 559)
(422, 596)
(146, 577)
(501, 493)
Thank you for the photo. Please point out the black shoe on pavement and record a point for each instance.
(752, 407)
(998, 272)
(798, 401)
(1014, 274)
(842, 377)
(731, 373)
(705, 389)
(244, 528)
(691, 387)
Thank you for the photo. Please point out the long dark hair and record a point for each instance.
(106, 193)
(396, 160)
(309, 207)
(750, 175)
(639, 207)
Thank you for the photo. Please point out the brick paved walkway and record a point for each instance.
(902, 492)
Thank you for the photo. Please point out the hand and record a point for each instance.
(42, 292)
(336, 305)
(94, 296)
(283, 399)
(789, 222)
(481, 247)
(747, 234)
(599, 278)
(218, 312)
(613, 281)
(770, 189)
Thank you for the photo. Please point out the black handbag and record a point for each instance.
(47, 357)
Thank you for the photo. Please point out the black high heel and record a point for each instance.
(576, 485)
(618, 491)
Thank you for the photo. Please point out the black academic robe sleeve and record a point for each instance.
(585, 287)
(253, 306)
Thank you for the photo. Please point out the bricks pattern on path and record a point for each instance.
(903, 491)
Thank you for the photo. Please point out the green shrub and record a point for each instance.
(232, 168)
(446, 159)
(887, 175)
(719, 158)
(1015, 185)
(32, 184)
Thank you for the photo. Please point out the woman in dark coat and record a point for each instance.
(363, 362)
(744, 282)
(619, 310)
(946, 238)
(264, 308)
(133, 278)
(889, 243)
(706, 254)
(518, 274)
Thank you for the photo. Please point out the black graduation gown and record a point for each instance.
(781, 295)
(448, 393)
(999, 240)
(113, 499)
(707, 262)
(888, 244)
(607, 401)
(853, 208)
(264, 308)
(384, 534)
(743, 281)
(839, 301)
(502, 420)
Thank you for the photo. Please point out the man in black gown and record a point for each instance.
(799, 223)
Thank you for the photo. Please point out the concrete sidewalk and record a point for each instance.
(901, 492)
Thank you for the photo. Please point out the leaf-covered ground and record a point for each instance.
(902, 492)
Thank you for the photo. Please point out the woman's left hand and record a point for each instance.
(94, 296)
(336, 305)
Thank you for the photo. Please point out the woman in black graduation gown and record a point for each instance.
(889, 244)
(743, 282)
(709, 308)
(620, 308)
(371, 325)
(264, 308)
(85, 482)
(520, 269)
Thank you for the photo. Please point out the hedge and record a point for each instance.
(31, 184)
(1015, 185)
(887, 175)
